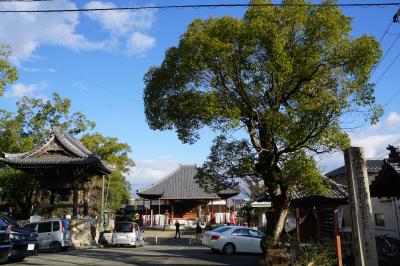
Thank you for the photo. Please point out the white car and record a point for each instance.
(126, 233)
(231, 239)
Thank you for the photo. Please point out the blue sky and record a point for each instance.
(98, 61)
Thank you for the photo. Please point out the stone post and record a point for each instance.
(364, 246)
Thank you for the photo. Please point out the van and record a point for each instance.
(54, 234)
(126, 233)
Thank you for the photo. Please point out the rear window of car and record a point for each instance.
(123, 227)
(256, 233)
(30, 226)
(222, 229)
(56, 226)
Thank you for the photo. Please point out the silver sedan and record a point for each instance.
(231, 239)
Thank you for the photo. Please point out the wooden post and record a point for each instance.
(337, 237)
(298, 224)
(85, 201)
(318, 224)
(364, 246)
(75, 202)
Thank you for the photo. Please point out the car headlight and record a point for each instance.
(14, 237)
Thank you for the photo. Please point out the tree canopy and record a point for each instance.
(274, 85)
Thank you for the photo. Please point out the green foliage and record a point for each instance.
(30, 126)
(312, 254)
(117, 187)
(284, 74)
(8, 73)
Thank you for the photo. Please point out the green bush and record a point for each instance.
(312, 254)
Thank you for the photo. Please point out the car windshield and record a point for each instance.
(123, 227)
(29, 226)
(10, 221)
(221, 229)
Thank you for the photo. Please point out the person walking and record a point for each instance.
(198, 231)
(177, 232)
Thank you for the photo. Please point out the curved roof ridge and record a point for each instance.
(161, 180)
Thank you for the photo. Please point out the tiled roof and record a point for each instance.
(373, 166)
(180, 184)
(61, 149)
(337, 191)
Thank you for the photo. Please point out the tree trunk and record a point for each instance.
(276, 218)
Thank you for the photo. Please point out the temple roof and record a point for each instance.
(387, 182)
(337, 195)
(180, 184)
(61, 150)
(373, 166)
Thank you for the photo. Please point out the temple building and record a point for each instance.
(61, 165)
(177, 196)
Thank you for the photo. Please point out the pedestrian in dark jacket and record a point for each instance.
(177, 232)
(198, 231)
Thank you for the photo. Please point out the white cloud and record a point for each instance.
(138, 43)
(20, 90)
(374, 139)
(81, 86)
(120, 22)
(26, 32)
(148, 171)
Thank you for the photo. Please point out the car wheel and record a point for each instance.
(229, 249)
(55, 247)
(15, 259)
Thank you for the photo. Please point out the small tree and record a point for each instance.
(283, 75)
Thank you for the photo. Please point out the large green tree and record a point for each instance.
(117, 188)
(30, 126)
(274, 86)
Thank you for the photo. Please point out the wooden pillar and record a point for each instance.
(85, 201)
(337, 237)
(318, 224)
(172, 210)
(75, 202)
(364, 246)
(298, 224)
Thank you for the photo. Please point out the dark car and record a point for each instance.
(5, 244)
(24, 242)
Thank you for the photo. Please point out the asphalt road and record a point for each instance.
(169, 252)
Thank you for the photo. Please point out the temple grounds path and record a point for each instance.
(168, 251)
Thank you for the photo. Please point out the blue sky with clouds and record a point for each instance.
(98, 61)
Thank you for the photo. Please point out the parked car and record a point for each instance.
(126, 233)
(54, 234)
(24, 242)
(5, 243)
(231, 239)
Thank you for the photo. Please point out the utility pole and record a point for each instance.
(102, 204)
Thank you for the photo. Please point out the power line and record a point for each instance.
(387, 69)
(388, 4)
(386, 53)
(386, 31)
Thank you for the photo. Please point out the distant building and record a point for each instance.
(177, 196)
(385, 211)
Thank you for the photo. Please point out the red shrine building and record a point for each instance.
(177, 197)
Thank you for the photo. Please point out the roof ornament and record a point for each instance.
(394, 153)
